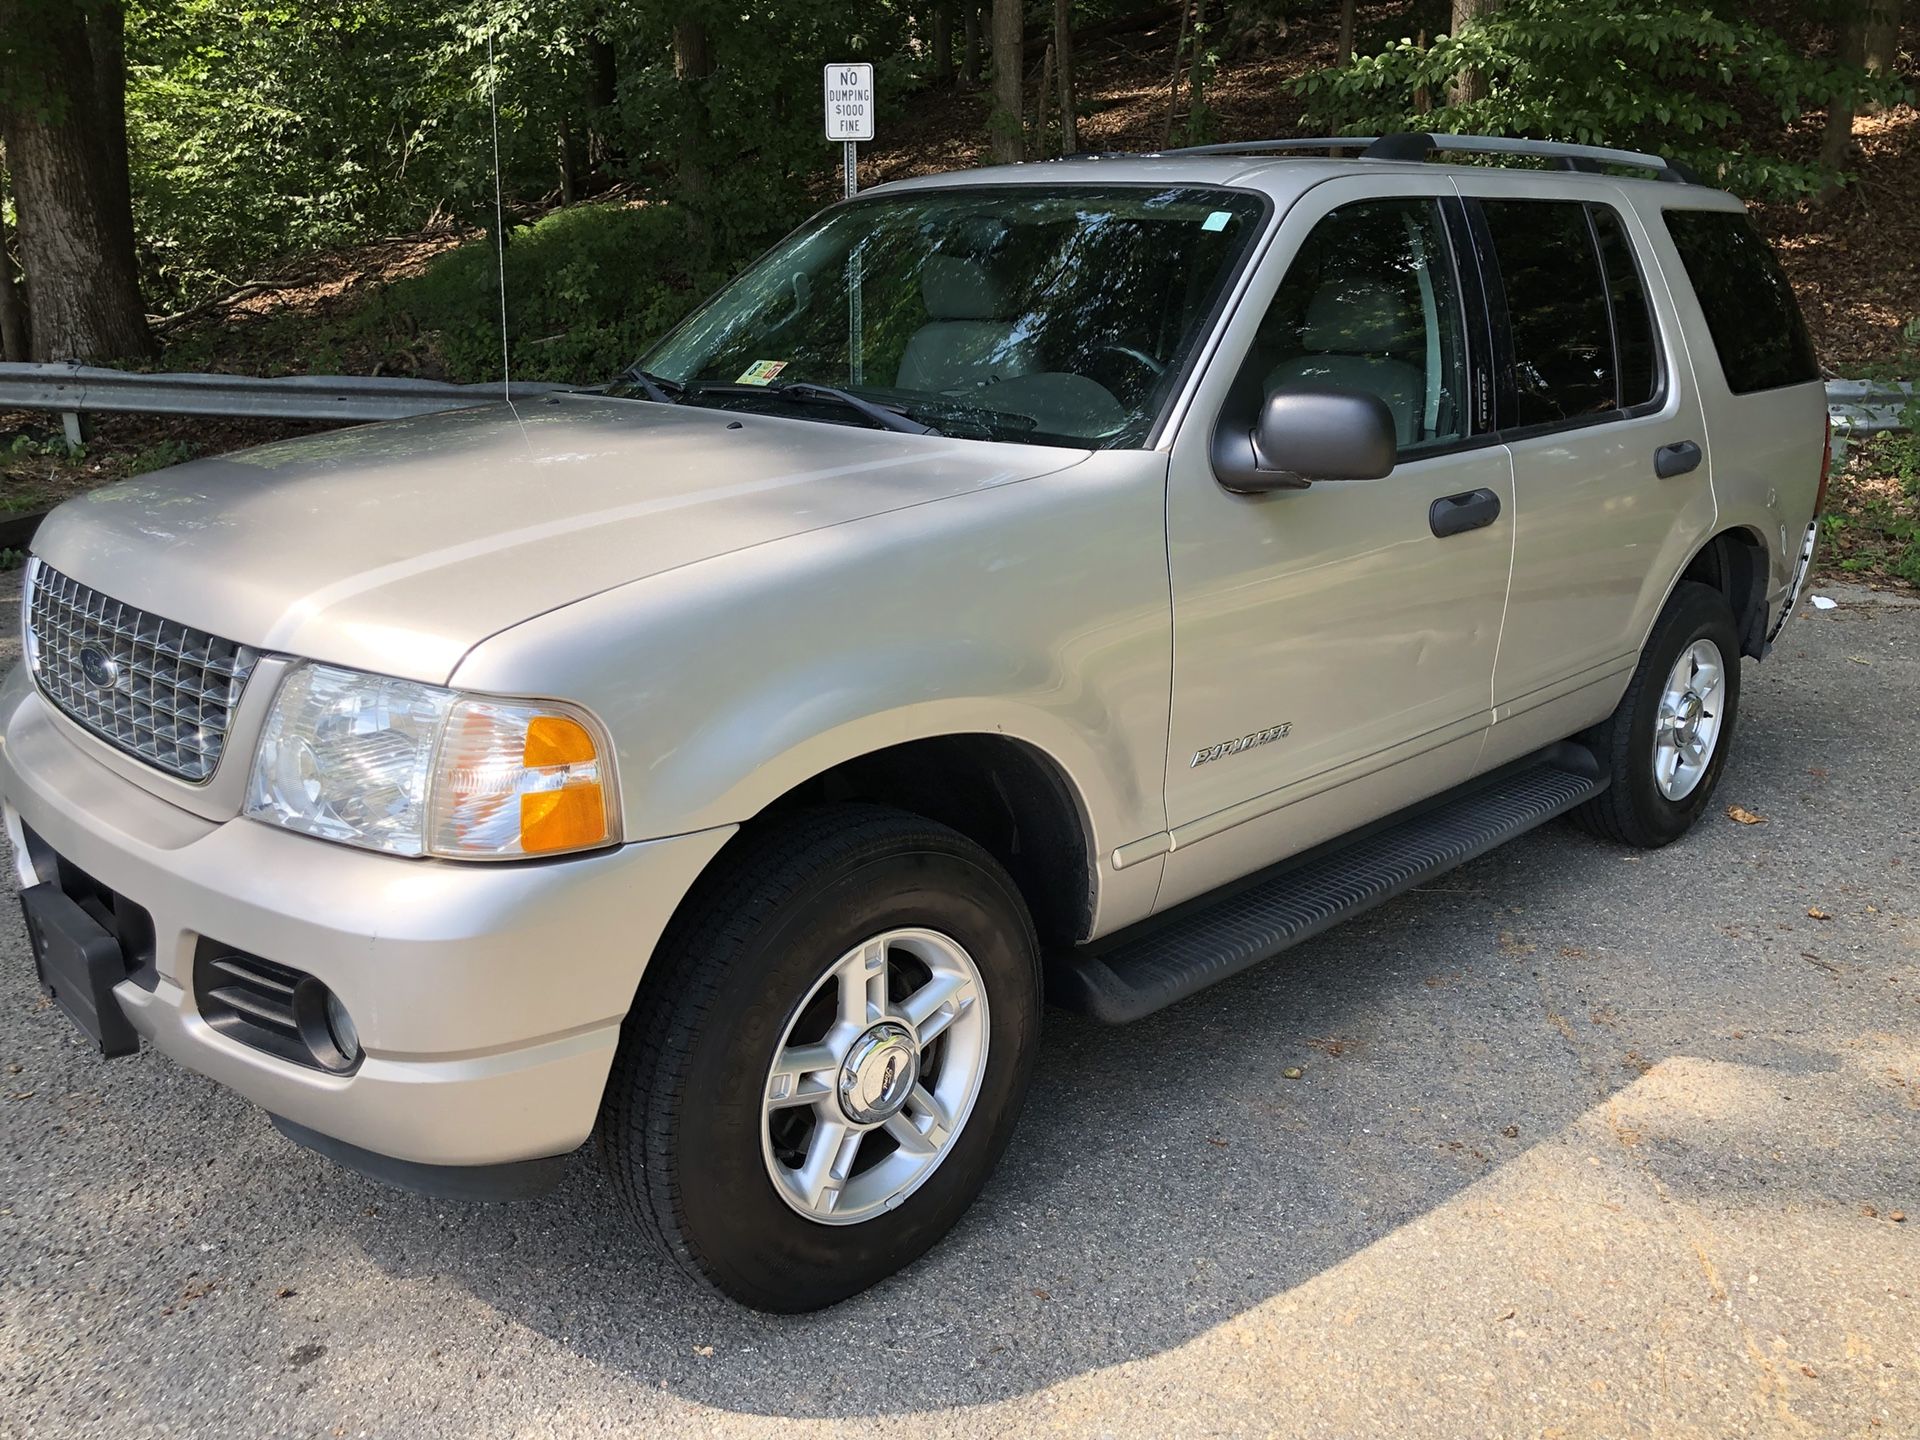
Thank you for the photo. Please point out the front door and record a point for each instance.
(1334, 646)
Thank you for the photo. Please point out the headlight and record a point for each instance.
(422, 770)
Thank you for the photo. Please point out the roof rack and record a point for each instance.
(1419, 145)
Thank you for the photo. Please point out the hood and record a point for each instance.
(398, 547)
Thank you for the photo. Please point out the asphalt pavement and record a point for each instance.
(1582, 1142)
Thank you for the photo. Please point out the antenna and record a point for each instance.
(500, 228)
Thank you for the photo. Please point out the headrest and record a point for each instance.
(1357, 317)
(960, 289)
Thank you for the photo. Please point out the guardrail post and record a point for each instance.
(79, 428)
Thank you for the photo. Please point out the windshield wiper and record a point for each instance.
(656, 388)
(808, 392)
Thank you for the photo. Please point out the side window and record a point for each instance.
(1633, 334)
(1556, 310)
(1750, 310)
(1370, 303)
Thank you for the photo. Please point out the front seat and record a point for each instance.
(970, 341)
(1351, 332)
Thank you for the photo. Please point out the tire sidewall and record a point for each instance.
(1699, 614)
(728, 1208)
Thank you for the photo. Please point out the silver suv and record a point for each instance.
(1084, 579)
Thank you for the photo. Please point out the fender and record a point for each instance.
(1038, 611)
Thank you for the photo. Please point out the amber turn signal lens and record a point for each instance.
(557, 740)
(521, 778)
(569, 819)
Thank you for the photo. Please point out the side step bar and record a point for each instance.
(1167, 958)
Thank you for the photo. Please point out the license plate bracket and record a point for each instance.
(79, 962)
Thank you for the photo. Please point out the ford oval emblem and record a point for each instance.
(98, 667)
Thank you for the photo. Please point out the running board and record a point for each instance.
(1167, 958)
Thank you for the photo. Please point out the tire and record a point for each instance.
(697, 1152)
(1637, 808)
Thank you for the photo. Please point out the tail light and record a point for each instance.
(1826, 471)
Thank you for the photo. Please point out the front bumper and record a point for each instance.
(488, 997)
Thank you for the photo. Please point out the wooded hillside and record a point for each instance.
(165, 164)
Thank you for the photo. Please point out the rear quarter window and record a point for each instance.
(1756, 326)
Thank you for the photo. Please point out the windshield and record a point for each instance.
(1058, 316)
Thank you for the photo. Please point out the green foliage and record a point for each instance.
(158, 456)
(588, 287)
(262, 128)
(1662, 75)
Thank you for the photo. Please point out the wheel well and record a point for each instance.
(1734, 562)
(1004, 795)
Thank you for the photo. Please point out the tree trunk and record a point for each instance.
(970, 41)
(692, 68)
(13, 313)
(1038, 144)
(1173, 80)
(569, 148)
(1346, 31)
(1469, 85)
(943, 40)
(1883, 36)
(603, 93)
(1196, 78)
(107, 43)
(1836, 139)
(68, 163)
(1004, 126)
(1063, 55)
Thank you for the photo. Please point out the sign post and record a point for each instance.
(849, 113)
(849, 119)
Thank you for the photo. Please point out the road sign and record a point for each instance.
(849, 96)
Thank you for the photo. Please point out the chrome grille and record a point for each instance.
(159, 690)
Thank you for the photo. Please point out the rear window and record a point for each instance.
(1751, 314)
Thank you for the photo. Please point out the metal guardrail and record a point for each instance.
(1863, 407)
(77, 390)
(1858, 407)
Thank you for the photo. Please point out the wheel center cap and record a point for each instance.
(1689, 718)
(879, 1074)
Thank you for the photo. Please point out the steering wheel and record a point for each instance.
(1127, 370)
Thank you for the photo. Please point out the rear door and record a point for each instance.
(1599, 411)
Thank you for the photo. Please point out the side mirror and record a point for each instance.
(1299, 436)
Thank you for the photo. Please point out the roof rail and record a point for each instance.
(1420, 145)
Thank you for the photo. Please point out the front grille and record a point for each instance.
(159, 690)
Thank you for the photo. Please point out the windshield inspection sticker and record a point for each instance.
(761, 372)
(1216, 221)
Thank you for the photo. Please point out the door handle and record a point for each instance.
(1454, 514)
(1679, 458)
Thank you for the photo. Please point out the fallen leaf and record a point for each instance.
(705, 1352)
(1899, 1217)
(1043, 1294)
(1869, 1212)
(1810, 1372)
(1512, 1132)
(1744, 815)
(1211, 1140)
(1507, 1316)
(1814, 912)
(1859, 660)
(285, 1292)
(1292, 1072)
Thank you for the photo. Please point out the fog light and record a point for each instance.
(340, 1028)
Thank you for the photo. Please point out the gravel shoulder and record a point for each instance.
(1583, 1142)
